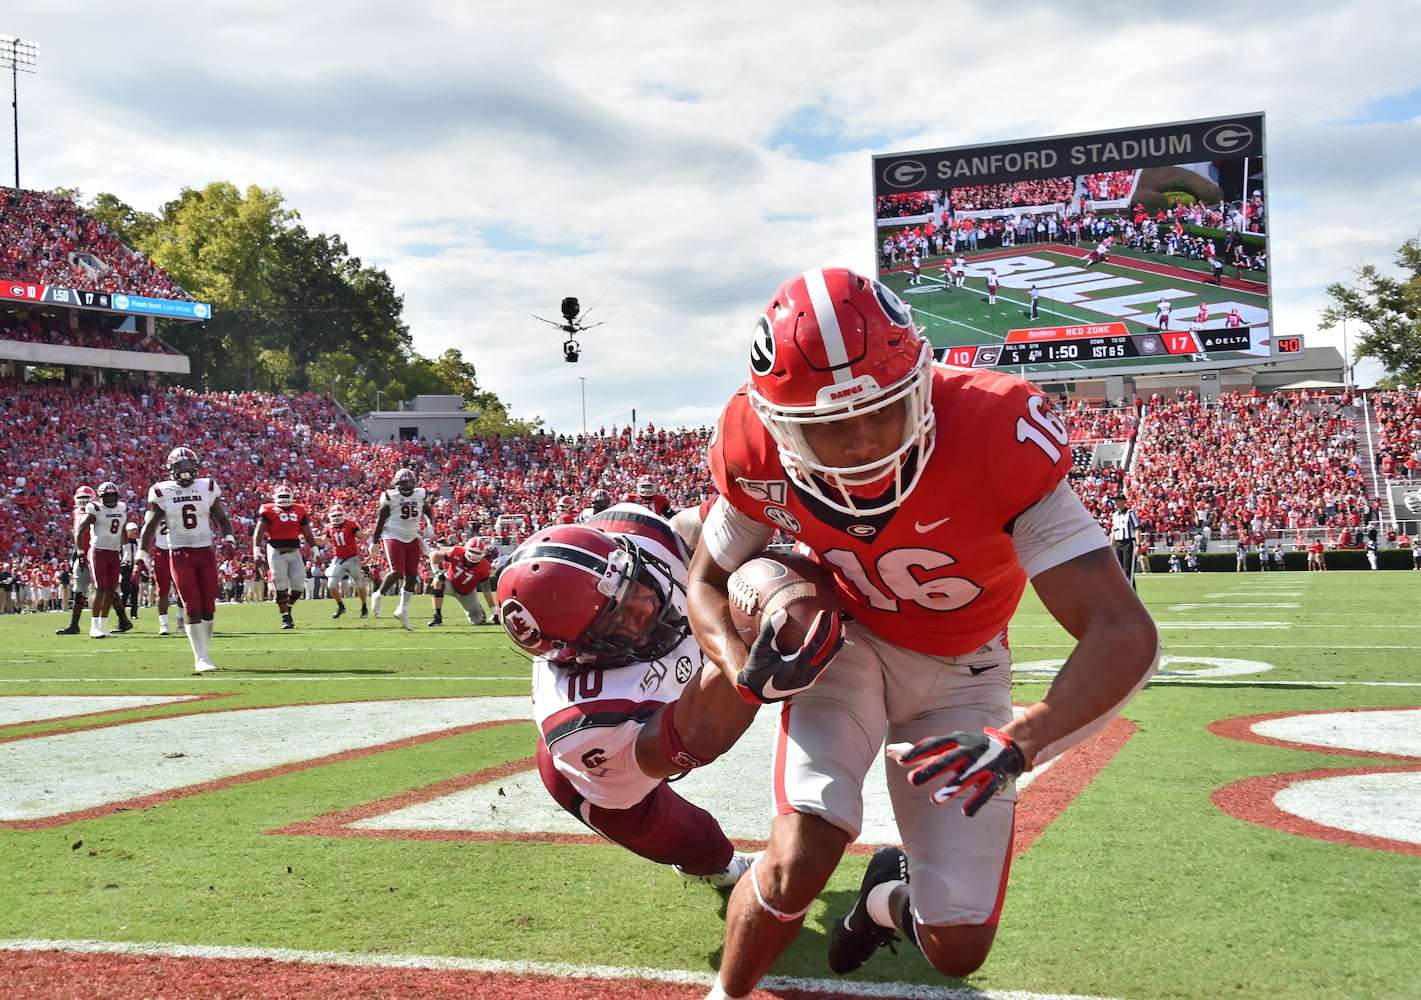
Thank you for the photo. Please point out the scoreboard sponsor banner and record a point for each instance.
(76, 298)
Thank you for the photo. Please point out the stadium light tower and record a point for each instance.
(17, 54)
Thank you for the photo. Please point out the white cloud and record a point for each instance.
(651, 160)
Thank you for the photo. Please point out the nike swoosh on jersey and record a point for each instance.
(923, 529)
(983, 669)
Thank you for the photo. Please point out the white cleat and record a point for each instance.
(739, 865)
(97, 634)
(403, 617)
(203, 667)
(163, 630)
(375, 603)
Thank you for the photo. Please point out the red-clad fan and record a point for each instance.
(346, 536)
(460, 569)
(283, 523)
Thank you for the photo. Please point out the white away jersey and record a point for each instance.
(590, 719)
(107, 531)
(188, 511)
(405, 512)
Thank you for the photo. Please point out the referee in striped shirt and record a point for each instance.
(1125, 533)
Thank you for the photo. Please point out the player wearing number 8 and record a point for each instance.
(934, 494)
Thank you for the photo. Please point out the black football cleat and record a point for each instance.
(71, 630)
(855, 937)
(340, 610)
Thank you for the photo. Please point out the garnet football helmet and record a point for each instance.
(600, 500)
(182, 466)
(283, 496)
(563, 591)
(832, 345)
(84, 495)
(405, 482)
(108, 493)
(337, 515)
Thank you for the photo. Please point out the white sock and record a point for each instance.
(104, 623)
(162, 621)
(206, 629)
(194, 638)
(718, 993)
(405, 596)
(879, 909)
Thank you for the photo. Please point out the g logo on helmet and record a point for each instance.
(762, 347)
(893, 307)
(1412, 501)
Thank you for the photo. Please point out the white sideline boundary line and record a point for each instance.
(898, 991)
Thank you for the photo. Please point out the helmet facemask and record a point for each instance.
(873, 486)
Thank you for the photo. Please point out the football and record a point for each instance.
(775, 580)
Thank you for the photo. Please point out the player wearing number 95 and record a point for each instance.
(933, 494)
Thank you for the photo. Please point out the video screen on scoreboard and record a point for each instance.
(1131, 250)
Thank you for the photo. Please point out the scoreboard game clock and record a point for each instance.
(1093, 343)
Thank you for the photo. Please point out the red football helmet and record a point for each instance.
(182, 466)
(563, 590)
(84, 495)
(405, 481)
(831, 345)
(565, 502)
(283, 496)
(337, 515)
(473, 551)
(646, 489)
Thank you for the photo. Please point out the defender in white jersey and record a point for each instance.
(103, 521)
(189, 505)
(622, 695)
(403, 508)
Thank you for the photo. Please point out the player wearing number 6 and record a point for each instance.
(934, 494)
(189, 505)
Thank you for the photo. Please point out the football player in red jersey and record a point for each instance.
(460, 568)
(650, 496)
(933, 494)
(283, 523)
(345, 534)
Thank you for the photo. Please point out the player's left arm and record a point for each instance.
(219, 514)
(1077, 577)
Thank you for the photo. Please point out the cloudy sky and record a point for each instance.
(671, 164)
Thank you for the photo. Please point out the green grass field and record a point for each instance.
(353, 787)
(1123, 289)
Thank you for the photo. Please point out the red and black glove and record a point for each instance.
(770, 675)
(978, 765)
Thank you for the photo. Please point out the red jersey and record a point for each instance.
(283, 524)
(345, 541)
(463, 577)
(79, 514)
(938, 573)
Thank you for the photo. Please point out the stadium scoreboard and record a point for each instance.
(1092, 343)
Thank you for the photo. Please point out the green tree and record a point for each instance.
(1389, 310)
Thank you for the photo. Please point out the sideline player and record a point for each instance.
(190, 505)
(623, 698)
(283, 524)
(867, 444)
(397, 530)
(345, 534)
(463, 568)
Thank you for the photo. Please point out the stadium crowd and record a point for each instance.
(47, 330)
(48, 240)
(1260, 467)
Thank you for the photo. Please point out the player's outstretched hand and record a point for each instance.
(977, 765)
(770, 675)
